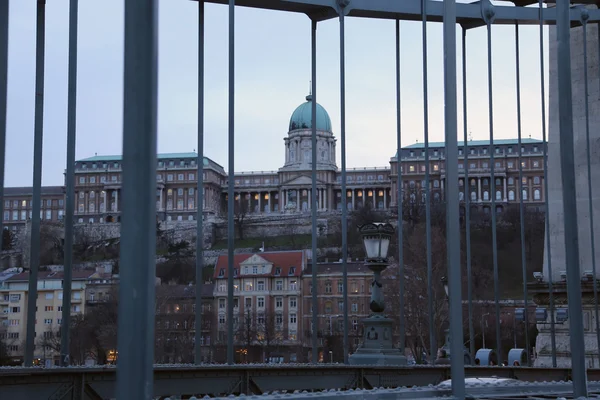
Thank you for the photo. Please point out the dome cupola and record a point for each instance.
(302, 117)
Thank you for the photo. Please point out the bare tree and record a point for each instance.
(241, 209)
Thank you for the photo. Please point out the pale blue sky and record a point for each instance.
(272, 78)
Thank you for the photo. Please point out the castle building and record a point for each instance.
(98, 181)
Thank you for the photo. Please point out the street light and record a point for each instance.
(377, 347)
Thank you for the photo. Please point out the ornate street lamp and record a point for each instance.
(377, 347)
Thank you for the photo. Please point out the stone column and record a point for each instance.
(443, 191)
(479, 189)
(385, 198)
(353, 202)
(116, 200)
(504, 182)
(298, 200)
(269, 200)
(260, 210)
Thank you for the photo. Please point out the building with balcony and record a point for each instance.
(267, 305)
(13, 304)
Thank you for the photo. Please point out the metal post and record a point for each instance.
(521, 204)
(70, 183)
(315, 309)
(200, 190)
(400, 200)
(3, 103)
(467, 201)
(584, 17)
(569, 194)
(34, 253)
(432, 338)
(135, 336)
(344, 197)
(452, 204)
(547, 211)
(493, 188)
(231, 182)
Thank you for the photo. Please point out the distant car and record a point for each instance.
(478, 382)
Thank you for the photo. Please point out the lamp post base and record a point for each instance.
(377, 347)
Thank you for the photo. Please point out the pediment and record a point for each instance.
(255, 259)
(302, 180)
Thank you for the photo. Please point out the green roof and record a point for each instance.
(164, 156)
(302, 117)
(461, 143)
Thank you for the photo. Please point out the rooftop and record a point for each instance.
(282, 259)
(184, 291)
(52, 275)
(498, 142)
(28, 190)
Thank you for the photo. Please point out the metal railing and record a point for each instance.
(136, 311)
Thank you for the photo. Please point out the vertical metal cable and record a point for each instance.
(521, 203)
(400, 200)
(585, 17)
(70, 183)
(34, 251)
(432, 333)
(452, 203)
(344, 197)
(493, 191)
(313, 110)
(547, 211)
(3, 103)
(200, 191)
(569, 195)
(467, 200)
(136, 309)
(231, 188)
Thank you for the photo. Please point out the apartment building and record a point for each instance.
(175, 323)
(330, 303)
(14, 300)
(267, 305)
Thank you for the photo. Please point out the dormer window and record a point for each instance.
(277, 271)
(255, 270)
(222, 272)
(292, 270)
(245, 270)
(235, 272)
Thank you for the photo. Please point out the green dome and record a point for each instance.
(302, 117)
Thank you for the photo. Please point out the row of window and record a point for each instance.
(361, 178)
(261, 320)
(161, 164)
(23, 214)
(509, 164)
(475, 151)
(260, 302)
(537, 195)
(277, 272)
(29, 203)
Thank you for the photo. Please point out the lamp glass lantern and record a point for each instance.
(377, 237)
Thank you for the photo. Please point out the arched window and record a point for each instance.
(485, 182)
(486, 195)
(524, 195)
(536, 194)
(473, 182)
(436, 197)
(436, 183)
(511, 195)
(461, 182)
(536, 180)
(498, 195)
(511, 181)
(498, 182)
(473, 196)
(461, 196)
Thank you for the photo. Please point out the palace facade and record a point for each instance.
(288, 190)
